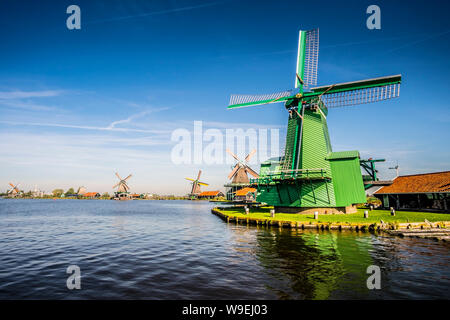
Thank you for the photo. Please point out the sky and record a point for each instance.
(78, 105)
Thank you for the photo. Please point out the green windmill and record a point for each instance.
(310, 176)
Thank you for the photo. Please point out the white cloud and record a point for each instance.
(29, 94)
(26, 105)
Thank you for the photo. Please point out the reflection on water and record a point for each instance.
(315, 264)
(178, 250)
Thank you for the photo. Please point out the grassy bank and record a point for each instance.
(375, 217)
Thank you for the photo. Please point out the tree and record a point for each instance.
(106, 195)
(57, 192)
(70, 192)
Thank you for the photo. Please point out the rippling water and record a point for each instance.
(179, 250)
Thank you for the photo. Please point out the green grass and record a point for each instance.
(374, 216)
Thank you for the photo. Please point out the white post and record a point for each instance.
(366, 214)
(316, 215)
(246, 210)
(272, 213)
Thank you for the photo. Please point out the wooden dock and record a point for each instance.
(438, 234)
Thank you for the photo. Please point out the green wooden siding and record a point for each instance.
(347, 180)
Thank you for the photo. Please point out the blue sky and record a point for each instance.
(78, 105)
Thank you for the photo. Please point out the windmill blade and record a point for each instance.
(250, 155)
(307, 58)
(194, 185)
(359, 92)
(127, 177)
(233, 155)
(116, 185)
(251, 171)
(241, 101)
(311, 58)
(202, 183)
(199, 174)
(189, 179)
(233, 172)
(118, 176)
(12, 185)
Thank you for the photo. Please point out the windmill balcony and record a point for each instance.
(292, 175)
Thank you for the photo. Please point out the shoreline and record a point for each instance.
(437, 230)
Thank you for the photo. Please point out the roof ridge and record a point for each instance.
(422, 174)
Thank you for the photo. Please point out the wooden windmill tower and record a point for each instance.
(239, 174)
(14, 191)
(196, 183)
(122, 188)
(311, 176)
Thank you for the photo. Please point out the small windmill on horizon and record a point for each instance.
(122, 188)
(14, 191)
(239, 174)
(196, 183)
(395, 168)
(240, 171)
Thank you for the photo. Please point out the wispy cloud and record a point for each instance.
(26, 105)
(113, 124)
(70, 126)
(29, 94)
(154, 13)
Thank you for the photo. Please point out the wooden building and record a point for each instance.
(91, 195)
(210, 195)
(426, 192)
(246, 195)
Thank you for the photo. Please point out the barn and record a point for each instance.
(425, 192)
(210, 195)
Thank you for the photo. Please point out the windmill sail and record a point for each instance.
(240, 101)
(307, 58)
(359, 92)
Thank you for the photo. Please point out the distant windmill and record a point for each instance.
(396, 169)
(14, 191)
(81, 190)
(241, 169)
(195, 191)
(122, 186)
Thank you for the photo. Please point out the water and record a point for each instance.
(179, 250)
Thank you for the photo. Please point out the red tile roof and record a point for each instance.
(419, 183)
(90, 194)
(209, 193)
(244, 191)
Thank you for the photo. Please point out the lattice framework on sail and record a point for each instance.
(241, 99)
(361, 96)
(311, 57)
